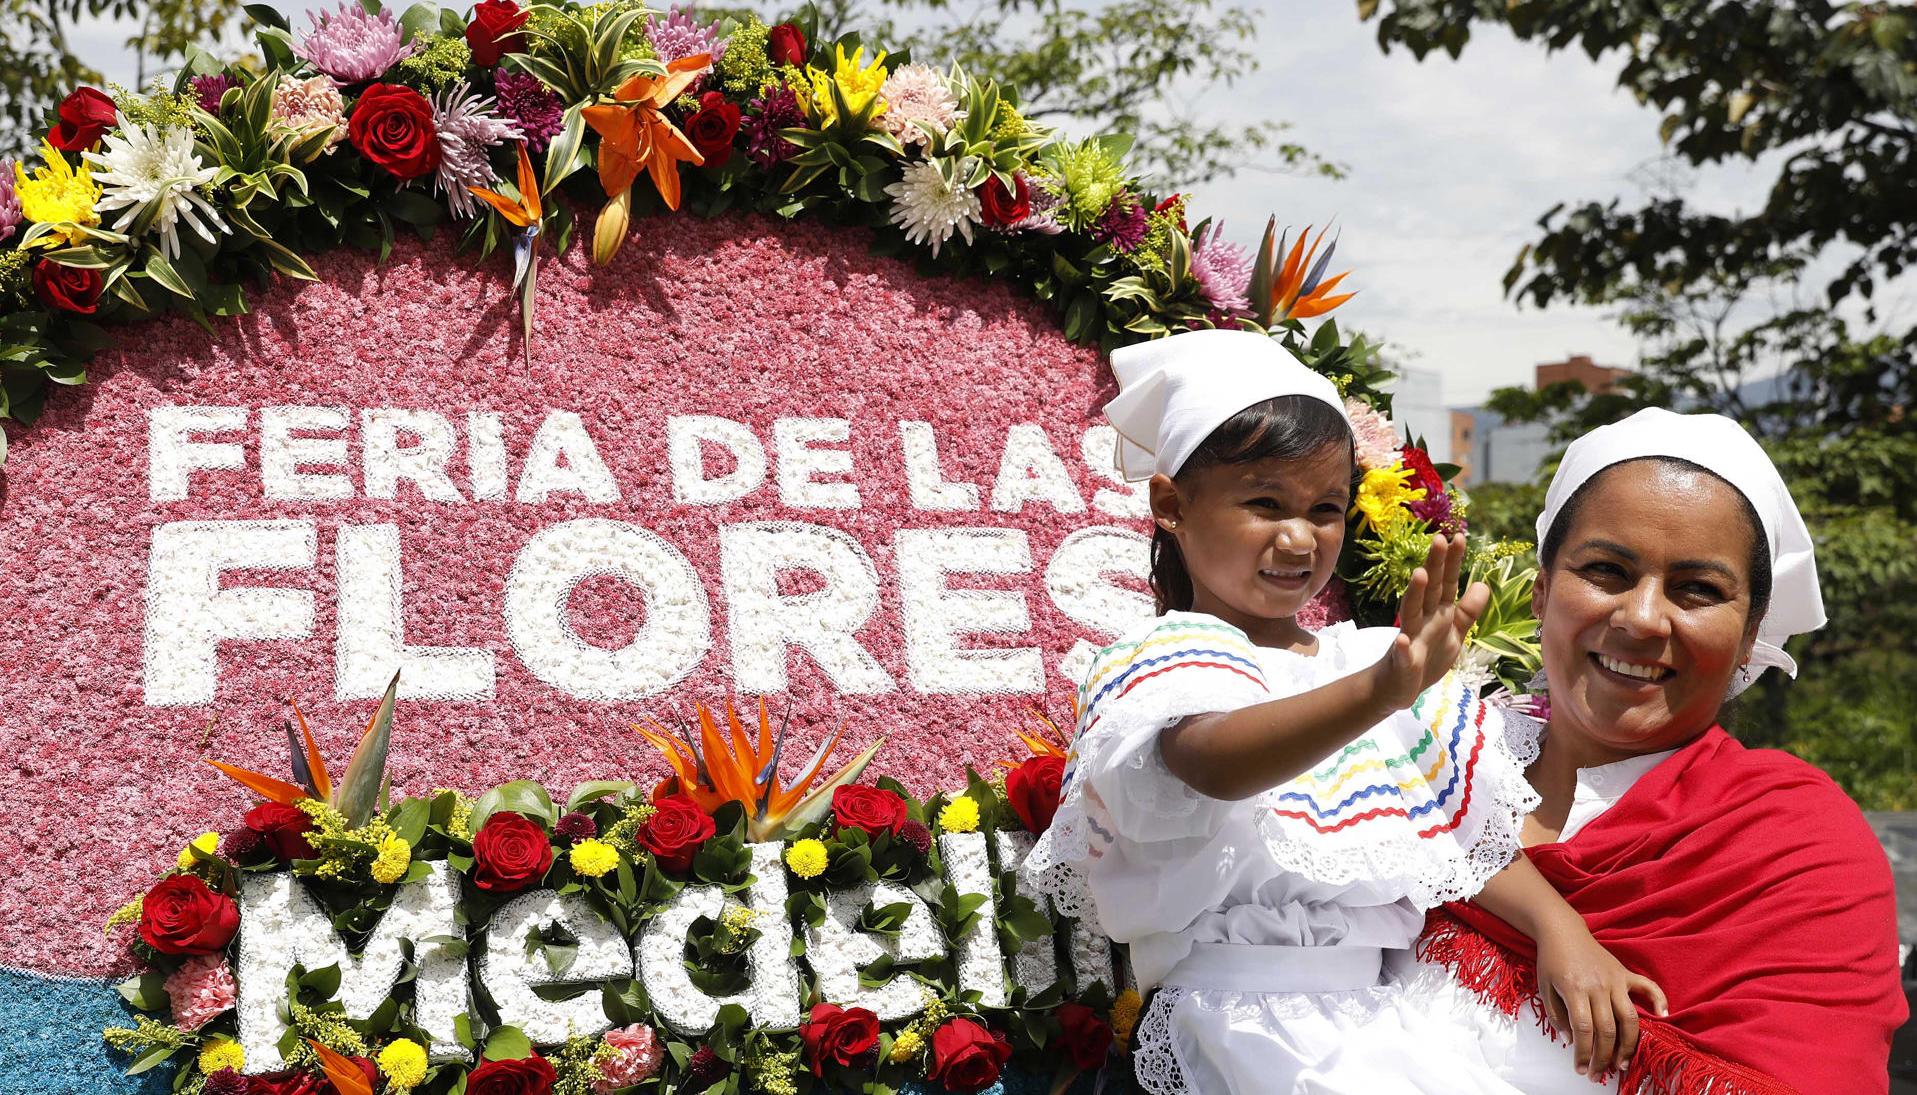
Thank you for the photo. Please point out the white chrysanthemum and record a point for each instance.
(917, 102)
(143, 166)
(931, 209)
(467, 128)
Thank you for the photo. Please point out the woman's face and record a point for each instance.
(1645, 611)
(1260, 539)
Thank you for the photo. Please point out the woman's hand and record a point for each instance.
(1432, 624)
(1587, 993)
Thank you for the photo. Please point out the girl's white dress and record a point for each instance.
(1274, 927)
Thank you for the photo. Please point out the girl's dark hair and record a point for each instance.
(1760, 560)
(1286, 427)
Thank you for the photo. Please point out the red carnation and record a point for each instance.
(1085, 1037)
(675, 832)
(490, 35)
(182, 916)
(393, 127)
(840, 1035)
(282, 829)
(1422, 473)
(1167, 204)
(517, 1076)
(85, 116)
(785, 45)
(510, 853)
(1002, 208)
(711, 129)
(1033, 789)
(872, 809)
(67, 288)
(966, 1056)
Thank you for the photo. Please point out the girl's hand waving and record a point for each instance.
(1432, 624)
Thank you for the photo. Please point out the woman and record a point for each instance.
(1744, 882)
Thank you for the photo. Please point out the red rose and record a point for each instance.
(182, 916)
(1086, 1038)
(67, 288)
(843, 1035)
(520, 1076)
(510, 853)
(490, 35)
(966, 1056)
(675, 831)
(1002, 208)
(873, 809)
(1423, 474)
(785, 44)
(1033, 789)
(393, 127)
(283, 829)
(711, 130)
(85, 116)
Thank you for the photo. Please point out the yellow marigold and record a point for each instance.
(959, 816)
(208, 843)
(1125, 1015)
(593, 858)
(219, 1053)
(404, 1063)
(908, 1046)
(57, 194)
(1383, 494)
(857, 82)
(395, 855)
(806, 858)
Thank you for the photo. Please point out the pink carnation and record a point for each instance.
(201, 989)
(635, 1058)
(1376, 438)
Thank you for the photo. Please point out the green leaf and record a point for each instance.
(162, 272)
(146, 992)
(521, 796)
(562, 154)
(507, 1044)
(150, 1059)
(597, 789)
(420, 19)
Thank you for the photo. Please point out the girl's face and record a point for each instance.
(1645, 611)
(1261, 538)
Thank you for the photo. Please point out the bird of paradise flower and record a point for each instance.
(1295, 288)
(525, 213)
(357, 793)
(1049, 741)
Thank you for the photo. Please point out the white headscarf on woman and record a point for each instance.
(1721, 446)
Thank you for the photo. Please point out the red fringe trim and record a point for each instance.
(1667, 1062)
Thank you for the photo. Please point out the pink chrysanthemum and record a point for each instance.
(764, 118)
(1435, 509)
(9, 202)
(310, 104)
(208, 89)
(1376, 438)
(1222, 270)
(201, 990)
(635, 1058)
(530, 105)
(679, 36)
(917, 101)
(1122, 225)
(1043, 218)
(352, 45)
(467, 131)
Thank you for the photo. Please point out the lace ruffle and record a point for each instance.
(1160, 1067)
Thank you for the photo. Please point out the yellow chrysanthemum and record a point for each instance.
(404, 1063)
(959, 816)
(57, 194)
(806, 858)
(219, 1053)
(859, 84)
(208, 843)
(1383, 494)
(593, 858)
(1125, 1015)
(395, 855)
(908, 1046)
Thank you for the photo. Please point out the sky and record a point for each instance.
(1450, 163)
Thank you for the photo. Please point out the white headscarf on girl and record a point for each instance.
(1172, 392)
(1720, 446)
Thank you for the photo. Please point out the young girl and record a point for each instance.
(1264, 814)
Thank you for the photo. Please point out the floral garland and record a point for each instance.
(628, 942)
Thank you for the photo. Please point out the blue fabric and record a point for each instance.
(50, 1039)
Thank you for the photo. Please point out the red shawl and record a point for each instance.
(1747, 885)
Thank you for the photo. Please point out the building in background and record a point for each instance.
(1492, 450)
(1417, 406)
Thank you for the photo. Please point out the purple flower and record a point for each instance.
(764, 118)
(1222, 270)
(1123, 224)
(208, 89)
(1434, 509)
(9, 202)
(528, 103)
(577, 826)
(353, 46)
(679, 36)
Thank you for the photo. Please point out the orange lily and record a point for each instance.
(635, 135)
(1298, 289)
(727, 764)
(525, 214)
(1050, 741)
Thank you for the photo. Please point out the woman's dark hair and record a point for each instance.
(1286, 427)
(1760, 561)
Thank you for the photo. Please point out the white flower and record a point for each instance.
(144, 166)
(467, 128)
(929, 208)
(917, 102)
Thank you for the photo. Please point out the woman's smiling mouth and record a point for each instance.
(1634, 672)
